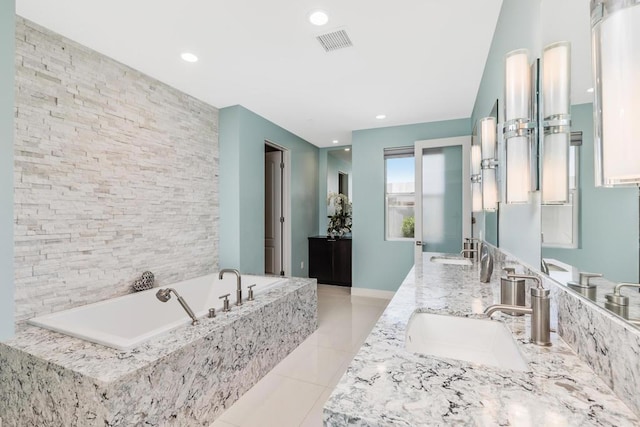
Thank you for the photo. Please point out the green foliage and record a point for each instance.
(408, 226)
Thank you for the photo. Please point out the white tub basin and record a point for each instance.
(450, 260)
(481, 341)
(127, 321)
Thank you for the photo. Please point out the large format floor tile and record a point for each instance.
(295, 391)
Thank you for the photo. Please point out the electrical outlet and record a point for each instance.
(301, 268)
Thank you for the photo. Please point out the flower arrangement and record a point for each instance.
(340, 222)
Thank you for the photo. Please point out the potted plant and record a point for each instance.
(340, 221)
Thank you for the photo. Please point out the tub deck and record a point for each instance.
(187, 377)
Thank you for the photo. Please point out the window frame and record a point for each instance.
(395, 153)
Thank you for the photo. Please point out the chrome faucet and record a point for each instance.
(164, 295)
(617, 302)
(486, 263)
(238, 281)
(473, 252)
(539, 311)
(470, 246)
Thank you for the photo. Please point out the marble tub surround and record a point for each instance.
(187, 377)
(387, 385)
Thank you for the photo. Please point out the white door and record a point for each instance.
(273, 213)
(442, 195)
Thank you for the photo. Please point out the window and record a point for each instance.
(399, 166)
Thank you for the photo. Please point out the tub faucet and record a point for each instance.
(539, 311)
(238, 281)
(164, 295)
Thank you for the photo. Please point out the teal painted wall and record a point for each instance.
(608, 217)
(7, 72)
(242, 137)
(512, 32)
(380, 264)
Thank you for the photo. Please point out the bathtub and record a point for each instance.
(127, 321)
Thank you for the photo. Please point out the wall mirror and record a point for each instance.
(605, 237)
(485, 223)
(338, 179)
(600, 233)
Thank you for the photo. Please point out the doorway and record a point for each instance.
(277, 229)
(343, 183)
(443, 200)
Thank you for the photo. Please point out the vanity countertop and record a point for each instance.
(387, 385)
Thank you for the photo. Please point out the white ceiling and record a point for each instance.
(415, 60)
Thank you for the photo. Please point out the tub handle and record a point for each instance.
(225, 303)
(250, 297)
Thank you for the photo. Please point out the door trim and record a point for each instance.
(465, 142)
(286, 208)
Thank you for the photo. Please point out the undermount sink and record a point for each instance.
(438, 259)
(481, 341)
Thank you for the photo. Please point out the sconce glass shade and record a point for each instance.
(556, 88)
(476, 184)
(517, 85)
(556, 79)
(616, 67)
(517, 118)
(555, 168)
(518, 169)
(489, 163)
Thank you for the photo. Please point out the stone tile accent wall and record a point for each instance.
(115, 173)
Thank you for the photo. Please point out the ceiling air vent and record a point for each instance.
(335, 40)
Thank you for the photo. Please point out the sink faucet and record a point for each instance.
(238, 281)
(470, 248)
(473, 252)
(539, 311)
(486, 263)
(617, 302)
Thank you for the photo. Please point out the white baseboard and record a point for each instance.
(372, 293)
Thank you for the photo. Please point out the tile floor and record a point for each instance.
(295, 391)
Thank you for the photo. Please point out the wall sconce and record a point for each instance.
(616, 66)
(476, 178)
(489, 163)
(528, 115)
(556, 105)
(518, 126)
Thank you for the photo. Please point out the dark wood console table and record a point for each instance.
(330, 260)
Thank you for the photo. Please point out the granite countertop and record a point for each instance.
(107, 364)
(387, 385)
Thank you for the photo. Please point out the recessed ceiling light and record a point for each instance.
(347, 149)
(318, 17)
(189, 57)
(590, 90)
(335, 141)
(381, 116)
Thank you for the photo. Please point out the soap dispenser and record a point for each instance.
(512, 291)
